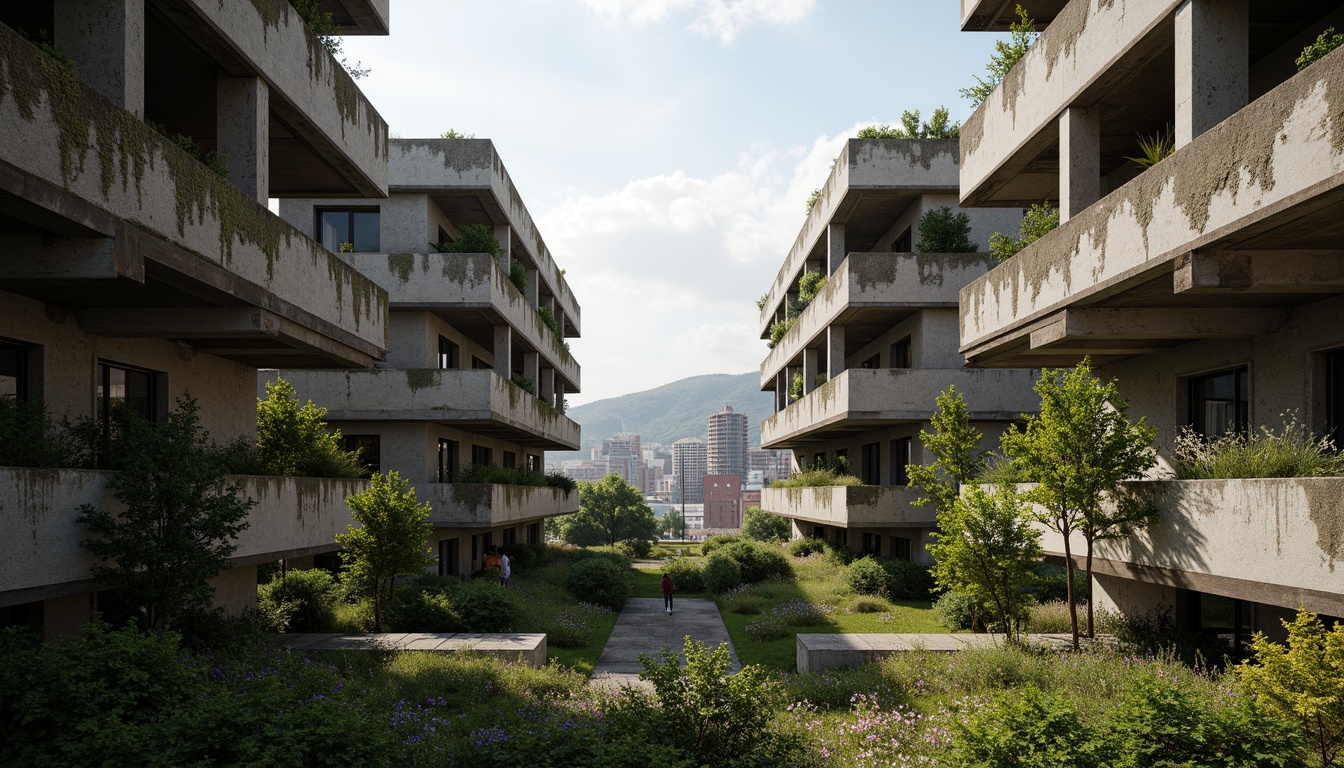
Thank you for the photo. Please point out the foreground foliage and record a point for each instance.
(1303, 681)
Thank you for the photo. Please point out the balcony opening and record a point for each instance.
(449, 355)
(449, 554)
(1219, 403)
(871, 464)
(369, 449)
(872, 544)
(900, 354)
(348, 229)
(904, 243)
(534, 534)
(448, 460)
(482, 456)
(900, 548)
(533, 462)
(14, 370)
(900, 459)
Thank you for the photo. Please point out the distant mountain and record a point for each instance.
(673, 411)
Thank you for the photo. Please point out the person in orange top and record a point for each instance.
(668, 588)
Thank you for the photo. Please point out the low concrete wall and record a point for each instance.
(41, 557)
(850, 506)
(487, 505)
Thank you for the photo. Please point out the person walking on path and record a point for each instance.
(667, 593)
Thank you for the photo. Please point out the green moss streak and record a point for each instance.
(421, 378)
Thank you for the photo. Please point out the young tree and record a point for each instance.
(672, 524)
(1079, 450)
(180, 519)
(955, 446)
(988, 550)
(1302, 682)
(1006, 54)
(293, 439)
(765, 526)
(390, 539)
(942, 231)
(609, 511)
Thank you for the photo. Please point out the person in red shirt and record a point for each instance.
(667, 593)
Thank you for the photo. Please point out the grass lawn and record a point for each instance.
(545, 599)
(663, 550)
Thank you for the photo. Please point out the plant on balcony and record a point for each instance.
(1006, 54)
(294, 440)
(518, 275)
(179, 523)
(760, 303)
(1325, 43)
(1079, 450)
(1294, 451)
(346, 247)
(610, 511)
(796, 387)
(1156, 148)
(778, 329)
(817, 478)
(211, 160)
(489, 473)
(809, 285)
(524, 383)
(453, 134)
(549, 320)
(30, 438)
(939, 126)
(322, 25)
(472, 238)
(44, 43)
(1039, 220)
(812, 200)
(389, 542)
(942, 231)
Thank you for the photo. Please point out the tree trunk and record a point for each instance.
(1068, 575)
(1091, 628)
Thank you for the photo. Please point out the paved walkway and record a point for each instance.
(643, 627)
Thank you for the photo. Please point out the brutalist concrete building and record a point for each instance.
(131, 271)
(857, 373)
(477, 369)
(1208, 284)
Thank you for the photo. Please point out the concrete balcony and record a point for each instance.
(471, 293)
(42, 558)
(358, 17)
(1216, 241)
(999, 15)
(112, 221)
(1274, 540)
(467, 180)
(861, 399)
(869, 294)
(850, 506)
(478, 401)
(486, 505)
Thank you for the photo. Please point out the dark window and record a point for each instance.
(533, 463)
(819, 532)
(872, 544)
(534, 534)
(900, 353)
(1220, 403)
(130, 387)
(819, 459)
(13, 370)
(842, 538)
(872, 464)
(448, 354)
(900, 458)
(357, 226)
(448, 462)
(449, 564)
(444, 237)
(902, 243)
(1334, 398)
(900, 548)
(510, 460)
(369, 448)
(482, 456)
(479, 364)
(873, 362)
(510, 536)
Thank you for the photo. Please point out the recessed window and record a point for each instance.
(533, 463)
(357, 226)
(370, 451)
(900, 459)
(448, 354)
(902, 243)
(481, 455)
(1220, 403)
(448, 463)
(510, 460)
(900, 548)
(872, 544)
(449, 565)
(900, 353)
(479, 364)
(133, 388)
(13, 370)
(872, 464)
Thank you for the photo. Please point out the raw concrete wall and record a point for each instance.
(849, 506)
(483, 505)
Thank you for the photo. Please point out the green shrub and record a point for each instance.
(812, 200)
(942, 231)
(29, 437)
(293, 439)
(722, 573)
(1006, 54)
(778, 329)
(758, 562)
(687, 576)
(485, 606)
(957, 611)
(636, 548)
(1326, 42)
(1292, 452)
(765, 629)
(472, 238)
(1040, 219)
(809, 285)
(908, 580)
(415, 609)
(310, 596)
(807, 546)
(563, 482)
(1024, 728)
(866, 576)
(1052, 584)
(868, 604)
(615, 555)
(598, 580)
(939, 126)
(713, 543)
(816, 478)
(744, 599)
(489, 473)
(839, 554)
(759, 525)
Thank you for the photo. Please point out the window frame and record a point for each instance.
(350, 211)
(1241, 400)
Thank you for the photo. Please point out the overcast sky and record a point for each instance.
(666, 148)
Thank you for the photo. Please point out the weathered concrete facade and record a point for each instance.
(125, 254)
(1219, 264)
(857, 372)
(477, 369)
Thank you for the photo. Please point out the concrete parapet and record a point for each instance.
(491, 505)
(850, 506)
(817, 652)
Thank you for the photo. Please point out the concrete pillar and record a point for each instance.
(559, 394)
(835, 247)
(532, 367)
(1079, 160)
(835, 350)
(106, 38)
(533, 292)
(546, 385)
(504, 234)
(810, 369)
(1212, 64)
(504, 351)
(243, 140)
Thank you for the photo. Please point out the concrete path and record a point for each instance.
(506, 646)
(643, 627)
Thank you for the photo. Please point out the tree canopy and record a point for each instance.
(390, 539)
(610, 510)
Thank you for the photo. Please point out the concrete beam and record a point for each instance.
(64, 259)
(106, 39)
(1212, 64)
(1214, 272)
(199, 323)
(1079, 160)
(1098, 324)
(242, 124)
(835, 247)
(503, 350)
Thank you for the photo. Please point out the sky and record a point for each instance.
(666, 148)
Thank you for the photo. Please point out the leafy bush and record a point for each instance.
(637, 548)
(817, 478)
(778, 329)
(713, 543)
(1157, 632)
(485, 606)
(722, 573)
(1293, 452)
(29, 437)
(942, 231)
(307, 598)
(416, 609)
(812, 200)
(472, 238)
(759, 525)
(599, 581)
(563, 482)
(524, 383)
(957, 611)
(799, 613)
(806, 546)
(615, 555)
(809, 285)
(1039, 220)
(866, 576)
(489, 473)
(758, 562)
(908, 580)
(1024, 728)
(1006, 54)
(939, 126)
(1156, 148)
(744, 598)
(1052, 584)
(293, 439)
(686, 574)
(1323, 44)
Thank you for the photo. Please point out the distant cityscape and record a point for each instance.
(714, 482)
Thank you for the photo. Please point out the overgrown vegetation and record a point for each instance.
(472, 238)
(524, 383)
(813, 199)
(809, 285)
(610, 511)
(322, 25)
(1294, 451)
(293, 439)
(29, 437)
(489, 473)
(938, 126)
(942, 231)
(453, 134)
(760, 525)
(1039, 220)
(212, 160)
(1156, 148)
(1006, 54)
(1326, 42)
(817, 477)
(778, 329)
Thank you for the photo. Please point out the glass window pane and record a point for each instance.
(12, 360)
(139, 393)
(366, 231)
(335, 229)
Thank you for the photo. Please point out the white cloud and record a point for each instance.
(722, 19)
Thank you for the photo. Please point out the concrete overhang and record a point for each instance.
(1216, 241)
(104, 216)
(468, 181)
(871, 184)
(851, 506)
(999, 15)
(868, 295)
(358, 17)
(862, 399)
(484, 505)
(470, 292)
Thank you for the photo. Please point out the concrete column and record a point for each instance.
(243, 140)
(1212, 64)
(533, 292)
(532, 367)
(546, 385)
(1079, 160)
(106, 38)
(810, 368)
(835, 247)
(835, 351)
(504, 234)
(559, 394)
(504, 351)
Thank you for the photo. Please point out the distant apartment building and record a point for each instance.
(723, 502)
(582, 471)
(1210, 285)
(726, 452)
(773, 465)
(858, 370)
(688, 470)
(477, 368)
(135, 273)
(625, 458)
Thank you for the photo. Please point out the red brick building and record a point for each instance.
(723, 501)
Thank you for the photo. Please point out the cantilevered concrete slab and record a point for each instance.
(851, 506)
(493, 505)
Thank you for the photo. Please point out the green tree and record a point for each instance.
(1302, 682)
(1006, 54)
(611, 510)
(180, 520)
(955, 446)
(988, 550)
(1325, 43)
(939, 126)
(672, 525)
(390, 539)
(1078, 451)
(293, 439)
(765, 526)
(1040, 219)
(942, 231)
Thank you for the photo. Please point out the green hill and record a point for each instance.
(673, 411)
